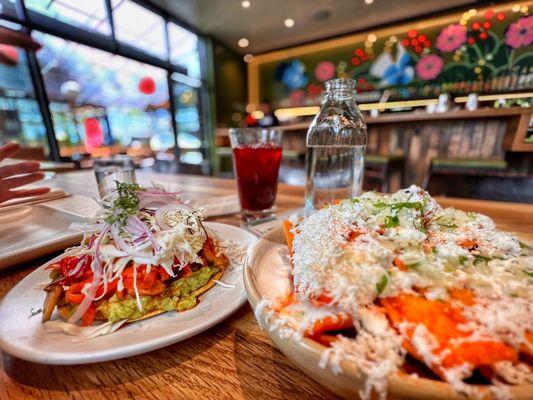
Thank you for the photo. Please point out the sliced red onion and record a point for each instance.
(156, 200)
(121, 243)
(133, 228)
(149, 233)
(156, 192)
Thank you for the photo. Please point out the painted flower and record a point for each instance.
(451, 38)
(393, 71)
(429, 67)
(324, 70)
(520, 33)
(292, 74)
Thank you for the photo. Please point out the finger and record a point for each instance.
(21, 180)
(8, 150)
(26, 167)
(15, 194)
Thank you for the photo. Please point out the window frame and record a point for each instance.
(32, 20)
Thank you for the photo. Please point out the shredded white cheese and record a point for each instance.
(378, 246)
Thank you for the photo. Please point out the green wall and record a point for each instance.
(230, 85)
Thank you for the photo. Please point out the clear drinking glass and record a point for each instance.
(256, 161)
(336, 142)
(108, 170)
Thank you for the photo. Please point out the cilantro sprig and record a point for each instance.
(382, 284)
(392, 221)
(124, 205)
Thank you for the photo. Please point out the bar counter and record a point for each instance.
(234, 359)
(419, 137)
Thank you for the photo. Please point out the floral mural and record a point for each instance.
(485, 50)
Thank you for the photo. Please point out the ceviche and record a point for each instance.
(144, 255)
(395, 283)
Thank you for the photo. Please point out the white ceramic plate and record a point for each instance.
(28, 232)
(24, 336)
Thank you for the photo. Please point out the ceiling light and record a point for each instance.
(243, 42)
(246, 4)
(369, 1)
(289, 22)
(248, 58)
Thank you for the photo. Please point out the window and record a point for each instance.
(81, 13)
(20, 118)
(184, 49)
(9, 8)
(139, 27)
(103, 103)
(188, 119)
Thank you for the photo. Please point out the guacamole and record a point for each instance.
(178, 296)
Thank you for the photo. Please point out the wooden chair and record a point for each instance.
(383, 173)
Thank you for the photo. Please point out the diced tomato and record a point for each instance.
(73, 294)
(67, 264)
(400, 264)
(147, 283)
(111, 288)
(186, 271)
(323, 299)
(163, 274)
(467, 243)
(88, 317)
(352, 235)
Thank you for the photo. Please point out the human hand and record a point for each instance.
(20, 174)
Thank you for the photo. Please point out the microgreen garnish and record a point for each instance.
(382, 284)
(124, 205)
(479, 259)
(392, 221)
(407, 204)
(463, 259)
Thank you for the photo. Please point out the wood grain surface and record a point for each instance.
(232, 360)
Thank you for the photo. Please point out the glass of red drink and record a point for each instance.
(256, 160)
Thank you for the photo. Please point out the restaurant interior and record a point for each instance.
(174, 93)
(163, 81)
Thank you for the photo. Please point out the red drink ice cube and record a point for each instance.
(256, 170)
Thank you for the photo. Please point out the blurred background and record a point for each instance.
(445, 86)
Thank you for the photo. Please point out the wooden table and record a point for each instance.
(233, 360)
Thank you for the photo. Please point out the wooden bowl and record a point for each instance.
(267, 275)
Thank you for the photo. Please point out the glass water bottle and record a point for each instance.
(336, 142)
